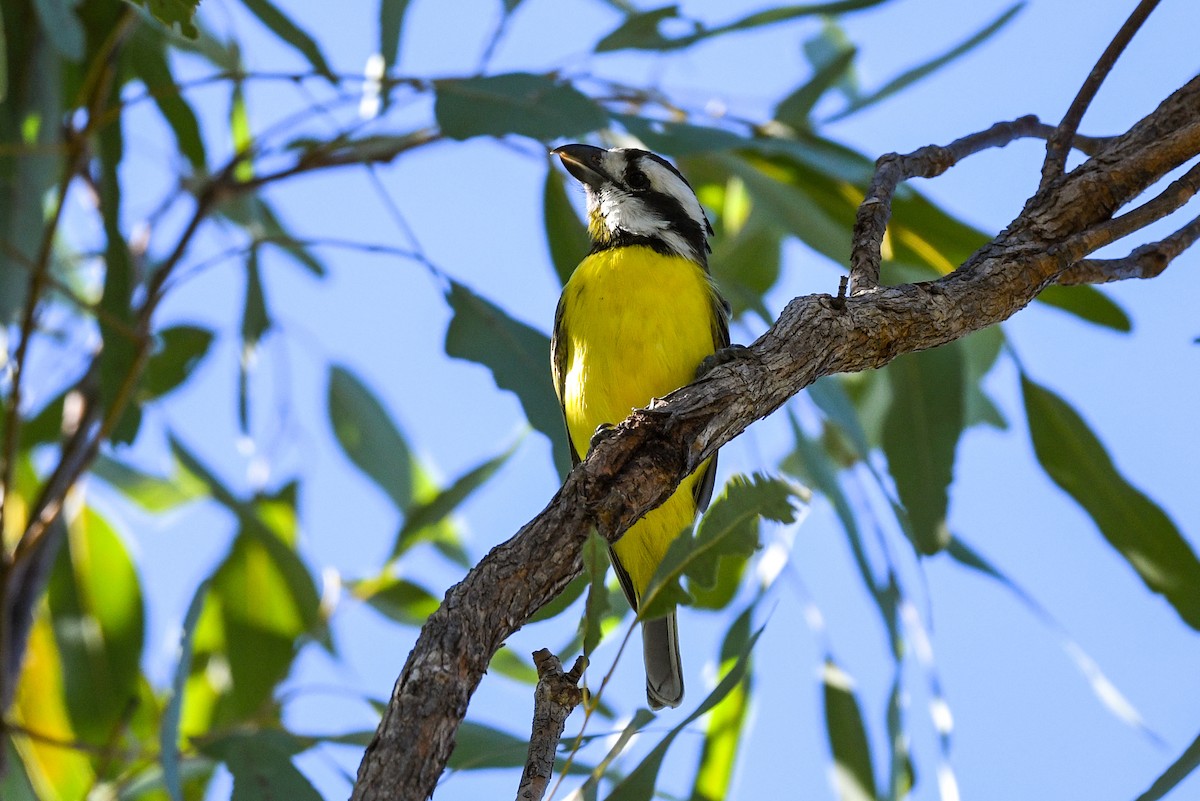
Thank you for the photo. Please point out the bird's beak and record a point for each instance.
(583, 162)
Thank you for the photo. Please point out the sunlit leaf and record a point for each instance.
(367, 434)
(920, 436)
(399, 599)
(290, 32)
(517, 103)
(725, 730)
(517, 355)
(1131, 523)
(566, 236)
(96, 602)
(506, 662)
(261, 764)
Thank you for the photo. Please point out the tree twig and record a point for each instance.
(1057, 145)
(555, 697)
(1146, 261)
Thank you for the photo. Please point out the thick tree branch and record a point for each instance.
(637, 468)
(555, 697)
(1057, 145)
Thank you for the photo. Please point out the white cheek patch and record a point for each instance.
(668, 183)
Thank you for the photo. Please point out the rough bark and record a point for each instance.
(816, 335)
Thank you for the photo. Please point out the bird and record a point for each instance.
(636, 319)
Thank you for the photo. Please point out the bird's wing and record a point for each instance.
(559, 355)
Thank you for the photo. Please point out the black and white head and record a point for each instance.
(635, 197)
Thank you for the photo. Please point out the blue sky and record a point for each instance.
(1026, 724)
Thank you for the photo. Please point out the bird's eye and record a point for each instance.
(637, 180)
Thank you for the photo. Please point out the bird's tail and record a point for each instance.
(664, 673)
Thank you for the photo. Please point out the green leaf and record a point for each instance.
(62, 27)
(1179, 770)
(401, 600)
(518, 357)
(1132, 523)
(174, 13)
(507, 663)
(679, 138)
(641, 719)
(853, 773)
(14, 783)
(724, 732)
(597, 608)
(639, 784)
(147, 56)
(180, 350)
(915, 74)
(422, 520)
(264, 226)
(169, 733)
(288, 31)
(796, 108)
(568, 596)
(1087, 303)
(642, 31)
(152, 493)
(728, 529)
(261, 764)
(478, 746)
(566, 236)
(96, 604)
(369, 437)
(516, 103)
(391, 22)
(920, 435)
(980, 351)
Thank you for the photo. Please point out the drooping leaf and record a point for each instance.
(422, 519)
(980, 351)
(391, 23)
(175, 14)
(1102, 687)
(643, 30)
(1134, 525)
(507, 663)
(729, 529)
(478, 746)
(172, 774)
(641, 719)
(920, 435)
(180, 350)
(399, 599)
(147, 55)
(368, 436)
(1179, 770)
(566, 236)
(283, 27)
(263, 225)
(639, 784)
(150, 492)
(515, 103)
(853, 772)
(915, 74)
(595, 568)
(518, 357)
(96, 603)
(261, 764)
(1087, 303)
(829, 68)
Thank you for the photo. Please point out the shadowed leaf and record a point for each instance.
(853, 773)
(369, 437)
(290, 32)
(517, 103)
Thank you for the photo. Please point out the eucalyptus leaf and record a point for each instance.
(515, 103)
(369, 436)
(261, 764)
(283, 27)
(853, 772)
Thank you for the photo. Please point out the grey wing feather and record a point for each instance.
(558, 367)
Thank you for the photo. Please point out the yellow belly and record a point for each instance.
(637, 324)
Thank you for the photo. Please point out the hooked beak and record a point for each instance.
(583, 162)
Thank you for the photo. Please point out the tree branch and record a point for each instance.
(555, 697)
(1056, 146)
(636, 469)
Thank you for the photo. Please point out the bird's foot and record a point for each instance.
(723, 356)
(602, 432)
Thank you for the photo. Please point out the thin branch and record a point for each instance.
(555, 697)
(1057, 145)
(1147, 261)
(931, 161)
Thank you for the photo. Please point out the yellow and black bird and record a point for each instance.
(636, 319)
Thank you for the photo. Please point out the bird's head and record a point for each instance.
(635, 197)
